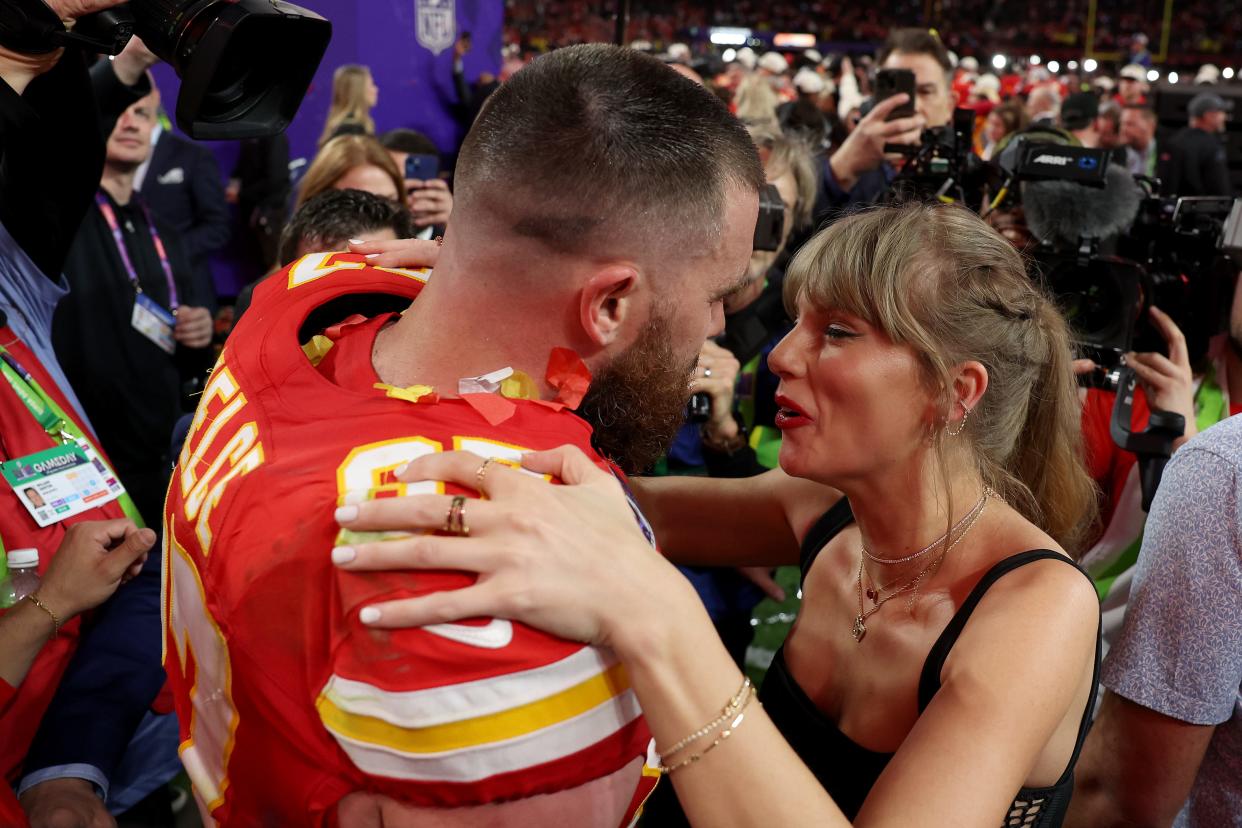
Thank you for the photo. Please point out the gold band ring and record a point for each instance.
(455, 522)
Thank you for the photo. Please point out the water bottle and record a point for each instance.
(22, 578)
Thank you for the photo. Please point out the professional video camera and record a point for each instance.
(245, 65)
(943, 166)
(1109, 249)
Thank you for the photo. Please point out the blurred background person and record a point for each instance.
(180, 182)
(1132, 85)
(354, 95)
(428, 197)
(1138, 133)
(352, 162)
(1003, 120)
(1198, 162)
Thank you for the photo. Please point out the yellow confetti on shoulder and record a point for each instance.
(412, 394)
(519, 386)
(317, 348)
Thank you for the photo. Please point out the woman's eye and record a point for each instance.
(838, 332)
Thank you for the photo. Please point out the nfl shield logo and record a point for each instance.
(437, 24)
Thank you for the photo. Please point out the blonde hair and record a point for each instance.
(938, 279)
(789, 152)
(339, 156)
(349, 101)
(756, 102)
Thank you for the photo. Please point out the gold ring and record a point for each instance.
(480, 473)
(455, 522)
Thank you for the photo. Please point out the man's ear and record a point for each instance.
(607, 303)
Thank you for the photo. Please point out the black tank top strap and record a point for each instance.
(823, 530)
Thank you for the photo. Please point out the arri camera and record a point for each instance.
(245, 65)
(1109, 247)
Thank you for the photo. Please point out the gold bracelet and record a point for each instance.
(724, 734)
(56, 622)
(729, 709)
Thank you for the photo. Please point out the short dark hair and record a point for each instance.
(1144, 109)
(335, 216)
(917, 42)
(596, 137)
(409, 141)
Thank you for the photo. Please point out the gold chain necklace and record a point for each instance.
(859, 629)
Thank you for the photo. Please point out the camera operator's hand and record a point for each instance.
(413, 253)
(1168, 381)
(430, 202)
(716, 376)
(133, 61)
(73, 9)
(863, 151)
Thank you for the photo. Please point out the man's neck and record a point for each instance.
(444, 337)
(118, 183)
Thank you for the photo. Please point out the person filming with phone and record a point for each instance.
(427, 195)
(914, 73)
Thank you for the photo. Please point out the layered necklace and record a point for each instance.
(878, 596)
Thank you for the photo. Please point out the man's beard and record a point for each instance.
(637, 403)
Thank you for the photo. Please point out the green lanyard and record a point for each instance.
(52, 419)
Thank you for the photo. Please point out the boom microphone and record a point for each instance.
(1065, 212)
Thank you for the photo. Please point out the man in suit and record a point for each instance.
(181, 183)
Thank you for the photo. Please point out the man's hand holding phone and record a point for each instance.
(863, 151)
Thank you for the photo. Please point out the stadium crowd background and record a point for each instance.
(232, 214)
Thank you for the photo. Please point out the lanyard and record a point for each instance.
(52, 418)
(110, 216)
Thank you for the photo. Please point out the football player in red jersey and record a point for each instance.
(605, 207)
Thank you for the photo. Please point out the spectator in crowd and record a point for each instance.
(94, 558)
(429, 200)
(53, 152)
(755, 102)
(352, 162)
(1108, 129)
(1132, 85)
(180, 183)
(1003, 120)
(135, 327)
(1138, 132)
(1079, 114)
(806, 115)
(1197, 166)
(470, 95)
(260, 187)
(1167, 743)
(1208, 74)
(354, 95)
(1139, 56)
(330, 221)
(1044, 105)
(858, 173)
(1004, 695)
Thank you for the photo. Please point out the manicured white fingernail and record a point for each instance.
(370, 256)
(400, 470)
(356, 241)
(346, 513)
(369, 615)
(343, 555)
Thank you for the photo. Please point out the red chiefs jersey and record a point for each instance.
(21, 434)
(287, 702)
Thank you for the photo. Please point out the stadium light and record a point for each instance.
(1090, 65)
(1172, 77)
(1035, 60)
(1054, 67)
(1227, 73)
(1072, 65)
(999, 62)
(1153, 75)
(728, 55)
(729, 36)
